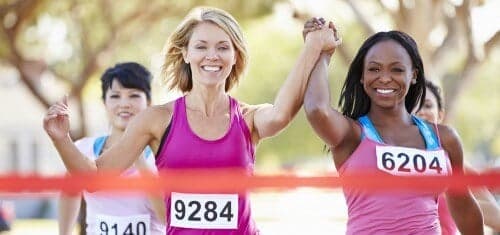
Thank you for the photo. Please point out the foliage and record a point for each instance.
(85, 37)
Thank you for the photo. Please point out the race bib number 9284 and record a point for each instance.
(204, 211)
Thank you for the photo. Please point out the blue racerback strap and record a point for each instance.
(99, 144)
(100, 141)
(369, 130)
(430, 138)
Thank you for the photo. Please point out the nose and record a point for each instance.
(385, 77)
(124, 102)
(212, 55)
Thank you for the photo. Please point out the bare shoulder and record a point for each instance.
(163, 111)
(449, 136)
(451, 143)
(249, 109)
(160, 113)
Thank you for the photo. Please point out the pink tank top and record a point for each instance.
(389, 212)
(448, 225)
(215, 214)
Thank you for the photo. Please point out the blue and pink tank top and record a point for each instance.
(109, 213)
(398, 211)
(207, 214)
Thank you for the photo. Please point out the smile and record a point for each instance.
(125, 114)
(209, 68)
(385, 91)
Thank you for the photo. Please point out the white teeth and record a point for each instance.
(385, 91)
(211, 68)
(124, 114)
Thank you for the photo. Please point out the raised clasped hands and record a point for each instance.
(316, 30)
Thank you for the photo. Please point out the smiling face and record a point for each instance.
(210, 54)
(122, 104)
(387, 74)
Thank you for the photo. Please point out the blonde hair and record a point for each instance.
(177, 72)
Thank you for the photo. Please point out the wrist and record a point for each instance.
(325, 57)
(312, 45)
(62, 140)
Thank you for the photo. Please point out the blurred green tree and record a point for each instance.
(71, 41)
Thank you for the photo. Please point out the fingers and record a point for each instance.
(52, 114)
(312, 25)
(338, 39)
(330, 32)
(60, 108)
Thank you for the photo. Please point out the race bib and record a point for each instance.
(122, 225)
(403, 161)
(204, 211)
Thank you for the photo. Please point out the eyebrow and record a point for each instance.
(377, 63)
(203, 41)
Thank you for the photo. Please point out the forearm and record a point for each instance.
(291, 94)
(489, 207)
(72, 158)
(158, 207)
(317, 95)
(466, 213)
(69, 208)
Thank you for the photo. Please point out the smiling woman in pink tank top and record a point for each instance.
(205, 128)
(376, 133)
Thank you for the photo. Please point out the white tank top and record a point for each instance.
(129, 213)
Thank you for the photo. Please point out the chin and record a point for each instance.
(120, 125)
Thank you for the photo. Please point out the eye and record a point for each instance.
(135, 96)
(398, 70)
(428, 106)
(223, 48)
(200, 47)
(114, 96)
(373, 69)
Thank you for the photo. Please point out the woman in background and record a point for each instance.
(433, 112)
(126, 91)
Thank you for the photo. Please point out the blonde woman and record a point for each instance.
(206, 128)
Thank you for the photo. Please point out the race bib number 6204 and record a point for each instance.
(403, 161)
(204, 211)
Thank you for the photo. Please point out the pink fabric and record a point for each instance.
(184, 149)
(389, 212)
(448, 225)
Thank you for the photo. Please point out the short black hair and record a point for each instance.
(436, 91)
(354, 102)
(130, 75)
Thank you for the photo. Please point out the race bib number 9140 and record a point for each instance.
(403, 161)
(122, 225)
(204, 211)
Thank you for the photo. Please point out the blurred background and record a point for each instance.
(52, 48)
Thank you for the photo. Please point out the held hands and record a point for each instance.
(56, 121)
(315, 30)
